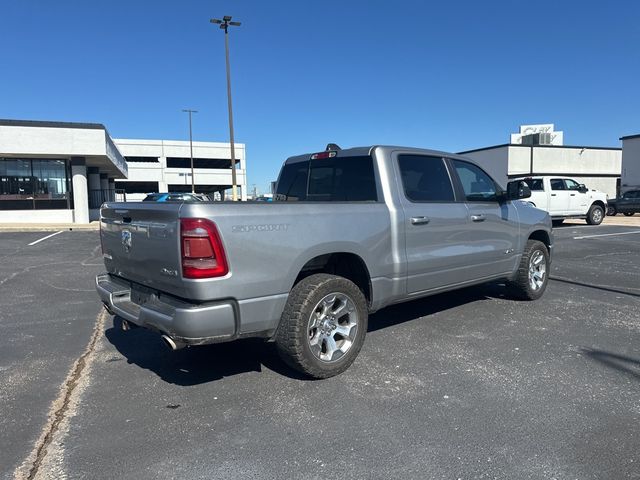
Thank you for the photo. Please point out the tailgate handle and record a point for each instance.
(419, 220)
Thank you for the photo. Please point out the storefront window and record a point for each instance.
(27, 184)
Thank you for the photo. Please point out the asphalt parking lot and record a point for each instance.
(467, 385)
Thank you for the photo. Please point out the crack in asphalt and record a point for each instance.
(83, 263)
(62, 408)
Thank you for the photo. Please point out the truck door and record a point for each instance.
(579, 202)
(559, 200)
(435, 224)
(629, 202)
(493, 229)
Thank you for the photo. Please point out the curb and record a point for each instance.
(48, 228)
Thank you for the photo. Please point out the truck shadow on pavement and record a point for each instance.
(621, 363)
(197, 365)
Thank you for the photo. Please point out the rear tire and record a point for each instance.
(532, 276)
(323, 326)
(629, 214)
(611, 211)
(595, 215)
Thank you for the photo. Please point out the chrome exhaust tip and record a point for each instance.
(172, 343)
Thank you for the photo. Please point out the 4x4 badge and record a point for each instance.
(126, 240)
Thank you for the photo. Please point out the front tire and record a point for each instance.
(532, 276)
(611, 211)
(323, 325)
(629, 214)
(595, 215)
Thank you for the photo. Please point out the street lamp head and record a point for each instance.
(225, 22)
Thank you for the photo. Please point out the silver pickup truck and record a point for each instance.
(350, 232)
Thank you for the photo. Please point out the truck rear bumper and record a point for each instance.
(193, 324)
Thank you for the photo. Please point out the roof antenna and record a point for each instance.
(332, 146)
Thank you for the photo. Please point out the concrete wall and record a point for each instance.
(630, 164)
(519, 161)
(576, 161)
(49, 142)
(52, 141)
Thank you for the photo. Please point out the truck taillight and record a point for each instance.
(202, 251)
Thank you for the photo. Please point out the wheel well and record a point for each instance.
(347, 265)
(541, 236)
(600, 203)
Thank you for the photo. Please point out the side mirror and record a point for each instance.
(582, 188)
(517, 189)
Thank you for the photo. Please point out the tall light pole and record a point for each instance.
(193, 181)
(225, 23)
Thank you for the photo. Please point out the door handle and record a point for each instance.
(419, 220)
(573, 194)
(478, 218)
(553, 194)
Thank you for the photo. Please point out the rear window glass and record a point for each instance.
(346, 179)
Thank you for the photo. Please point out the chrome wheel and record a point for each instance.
(537, 270)
(332, 327)
(596, 216)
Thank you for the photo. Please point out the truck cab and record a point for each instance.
(564, 197)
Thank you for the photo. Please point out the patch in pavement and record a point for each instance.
(46, 458)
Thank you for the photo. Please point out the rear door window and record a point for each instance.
(557, 184)
(425, 178)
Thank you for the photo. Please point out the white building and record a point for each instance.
(630, 178)
(61, 172)
(56, 172)
(596, 167)
(165, 166)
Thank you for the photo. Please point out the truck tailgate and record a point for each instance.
(141, 243)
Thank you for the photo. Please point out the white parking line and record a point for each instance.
(44, 238)
(606, 235)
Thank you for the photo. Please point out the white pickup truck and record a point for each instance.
(565, 198)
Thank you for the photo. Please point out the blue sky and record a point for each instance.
(447, 75)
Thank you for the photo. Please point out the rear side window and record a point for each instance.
(477, 185)
(336, 179)
(557, 184)
(425, 178)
